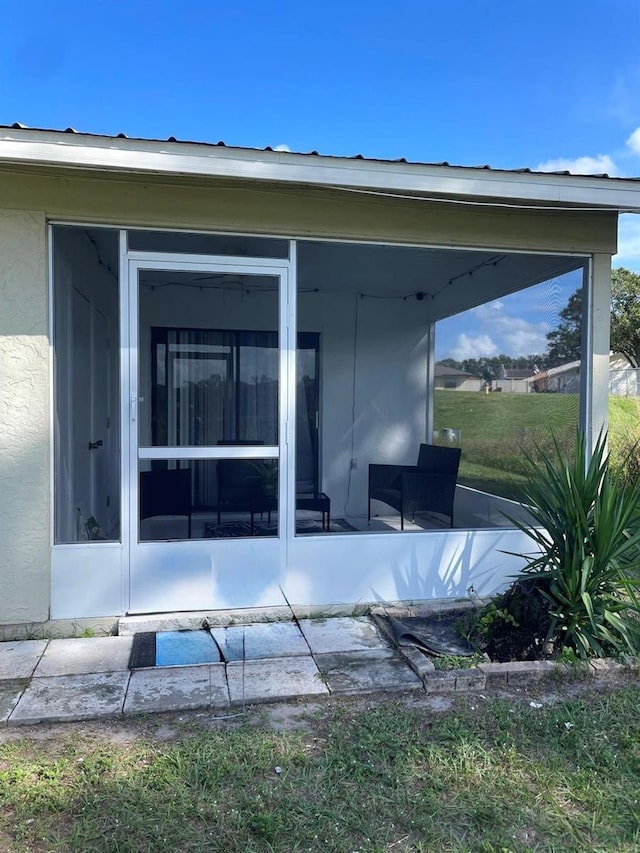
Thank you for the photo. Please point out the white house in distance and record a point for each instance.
(624, 380)
(203, 349)
(565, 378)
(513, 380)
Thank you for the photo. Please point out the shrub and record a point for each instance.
(588, 540)
(624, 459)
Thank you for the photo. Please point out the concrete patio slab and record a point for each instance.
(260, 641)
(64, 698)
(10, 693)
(19, 659)
(270, 680)
(86, 654)
(366, 671)
(177, 688)
(182, 648)
(344, 634)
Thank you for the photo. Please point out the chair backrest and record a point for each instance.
(439, 460)
(165, 492)
(239, 482)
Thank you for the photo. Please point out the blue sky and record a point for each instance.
(545, 84)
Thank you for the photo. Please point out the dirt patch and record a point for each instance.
(306, 715)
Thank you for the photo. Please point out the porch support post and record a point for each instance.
(431, 360)
(594, 400)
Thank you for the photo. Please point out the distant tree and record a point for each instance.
(625, 314)
(565, 340)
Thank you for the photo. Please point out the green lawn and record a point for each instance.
(496, 427)
(492, 775)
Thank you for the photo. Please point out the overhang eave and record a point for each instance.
(467, 185)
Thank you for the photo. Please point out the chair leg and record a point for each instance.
(401, 521)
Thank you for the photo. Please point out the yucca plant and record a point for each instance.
(587, 565)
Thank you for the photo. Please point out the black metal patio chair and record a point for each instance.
(429, 486)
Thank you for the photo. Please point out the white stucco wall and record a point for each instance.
(24, 418)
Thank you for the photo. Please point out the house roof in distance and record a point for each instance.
(441, 370)
(516, 373)
(441, 181)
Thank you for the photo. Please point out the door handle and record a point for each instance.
(94, 445)
(133, 402)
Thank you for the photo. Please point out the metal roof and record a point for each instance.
(441, 370)
(221, 144)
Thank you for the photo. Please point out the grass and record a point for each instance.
(496, 427)
(495, 775)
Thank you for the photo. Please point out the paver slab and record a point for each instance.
(366, 671)
(345, 634)
(83, 655)
(10, 693)
(180, 648)
(64, 698)
(278, 678)
(19, 659)
(260, 641)
(178, 688)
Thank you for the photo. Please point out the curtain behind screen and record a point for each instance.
(212, 387)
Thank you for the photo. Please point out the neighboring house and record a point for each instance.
(203, 348)
(455, 380)
(563, 379)
(624, 380)
(513, 380)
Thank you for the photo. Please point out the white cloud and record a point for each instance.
(581, 165)
(468, 347)
(513, 334)
(520, 336)
(489, 310)
(499, 331)
(633, 142)
(282, 147)
(628, 242)
(526, 341)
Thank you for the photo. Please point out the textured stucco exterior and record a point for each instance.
(24, 418)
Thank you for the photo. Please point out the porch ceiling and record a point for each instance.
(450, 280)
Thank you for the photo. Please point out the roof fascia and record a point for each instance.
(133, 156)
